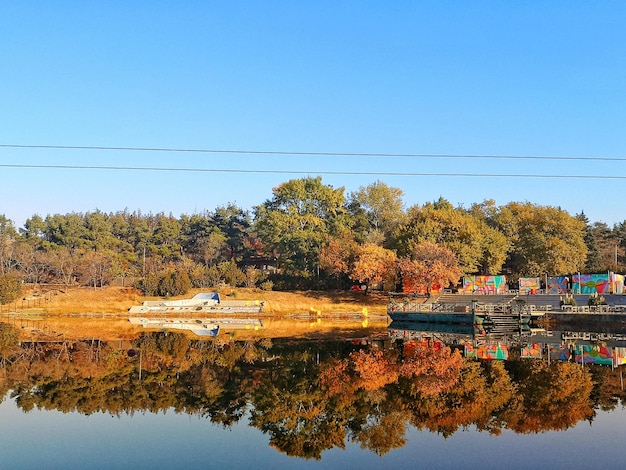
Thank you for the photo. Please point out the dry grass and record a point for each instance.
(83, 313)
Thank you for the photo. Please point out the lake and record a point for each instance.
(399, 397)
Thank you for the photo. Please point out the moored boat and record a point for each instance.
(207, 302)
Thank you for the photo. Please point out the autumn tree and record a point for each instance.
(373, 369)
(337, 255)
(430, 265)
(374, 265)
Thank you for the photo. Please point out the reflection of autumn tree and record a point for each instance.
(369, 375)
(295, 414)
(308, 397)
(606, 388)
(373, 370)
(9, 339)
(430, 368)
(555, 397)
(481, 394)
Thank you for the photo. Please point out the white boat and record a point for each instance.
(205, 302)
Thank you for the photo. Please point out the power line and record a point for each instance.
(317, 154)
(299, 172)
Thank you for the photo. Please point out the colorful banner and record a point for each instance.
(484, 284)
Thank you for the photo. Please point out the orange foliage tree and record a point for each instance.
(374, 371)
(430, 264)
(374, 265)
(336, 256)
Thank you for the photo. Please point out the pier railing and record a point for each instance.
(593, 308)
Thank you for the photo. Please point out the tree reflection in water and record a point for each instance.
(307, 396)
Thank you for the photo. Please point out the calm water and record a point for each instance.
(191, 404)
(51, 439)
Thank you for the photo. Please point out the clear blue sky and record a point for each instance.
(404, 77)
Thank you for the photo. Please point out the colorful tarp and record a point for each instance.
(588, 354)
(590, 283)
(558, 285)
(532, 351)
(484, 284)
(492, 351)
(529, 285)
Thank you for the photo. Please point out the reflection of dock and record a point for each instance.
(504, 314)
(454, 334)
(577, 345)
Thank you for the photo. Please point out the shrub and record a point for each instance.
(10, 288)
(169, 284)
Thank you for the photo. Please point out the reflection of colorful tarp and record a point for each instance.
(593, 355)
(590, 283)
(532, 351)
(492, 351)
(484, 284)
(529, 285)
(469, 349)
(560, 353)
(619, 356)
(557, 285)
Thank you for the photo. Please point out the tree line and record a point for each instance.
(308, 235)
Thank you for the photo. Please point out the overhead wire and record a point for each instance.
(303, 172)
(308, 153)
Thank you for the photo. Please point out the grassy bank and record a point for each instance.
(79, 313)
(117, 300)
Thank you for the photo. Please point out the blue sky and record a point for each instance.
(541, 79)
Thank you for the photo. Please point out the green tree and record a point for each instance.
(296, 221)
(175, 282)
(382, 209)
(476, 246)
(234, 223)
(593, 262)
(545, 239)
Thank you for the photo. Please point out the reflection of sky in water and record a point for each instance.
(50, 439)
